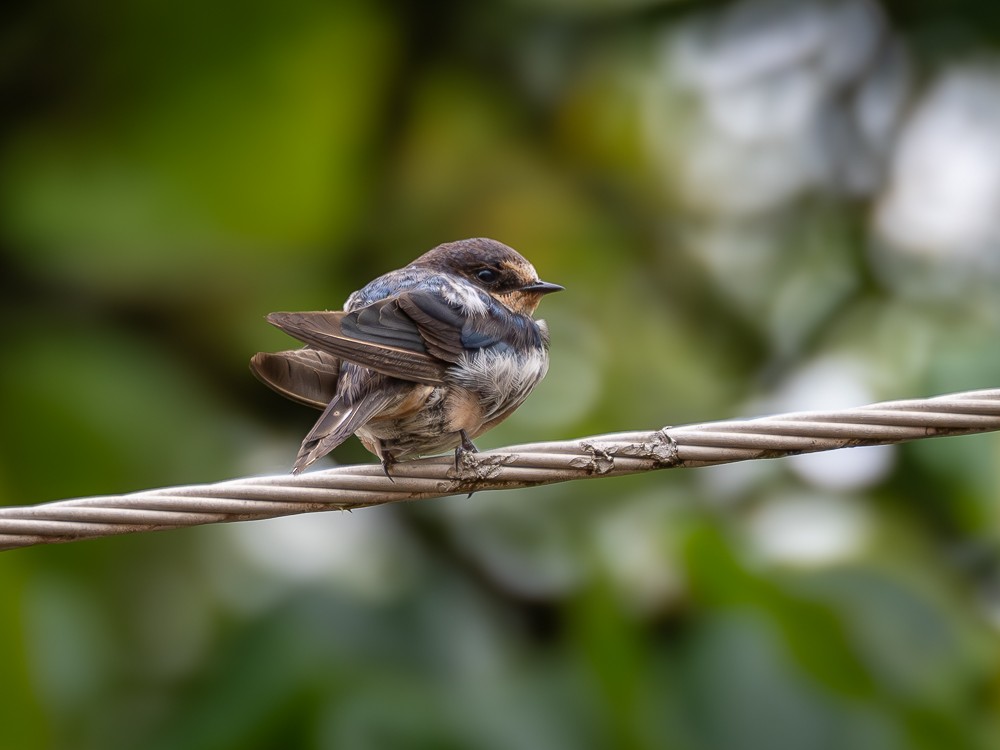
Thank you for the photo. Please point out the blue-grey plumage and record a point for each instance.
(420, 360)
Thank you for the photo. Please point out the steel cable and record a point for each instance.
(349, 487)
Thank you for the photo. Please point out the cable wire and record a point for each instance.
(350, 487)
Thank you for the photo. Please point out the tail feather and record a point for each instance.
(338, 422)
(308, 376)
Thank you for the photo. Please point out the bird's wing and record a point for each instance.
(308, 376)
(426, 322)
(413, 336)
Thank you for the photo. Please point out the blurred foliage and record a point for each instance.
(755, 206)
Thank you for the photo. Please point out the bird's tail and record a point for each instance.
(306, 375)
(338, 422)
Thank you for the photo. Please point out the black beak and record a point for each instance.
(542, 287)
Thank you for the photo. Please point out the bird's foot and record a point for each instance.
(387, 460)
(464, 449)
(464, 454)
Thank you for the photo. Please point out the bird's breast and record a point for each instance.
(500, 375)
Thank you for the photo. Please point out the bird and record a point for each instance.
(420, 360)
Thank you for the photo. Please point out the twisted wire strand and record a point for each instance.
(349, 487)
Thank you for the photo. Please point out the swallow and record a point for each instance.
(422, 359)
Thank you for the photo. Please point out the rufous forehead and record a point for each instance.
(521, 267)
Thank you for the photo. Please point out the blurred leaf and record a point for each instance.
(111, 413)
(815, 633)
(238, 159)
(21, 713)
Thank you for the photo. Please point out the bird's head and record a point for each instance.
(497, 269)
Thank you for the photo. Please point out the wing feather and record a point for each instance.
(325, 331)
(416, 335)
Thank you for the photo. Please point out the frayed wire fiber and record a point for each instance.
(349, 487)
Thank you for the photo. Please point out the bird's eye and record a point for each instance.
(487, 275)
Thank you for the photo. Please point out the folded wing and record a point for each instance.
(413, 336)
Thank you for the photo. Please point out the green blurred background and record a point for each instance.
(755, 207)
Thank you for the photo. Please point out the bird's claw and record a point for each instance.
(387, 460)
(464, 452)
(463, 449)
